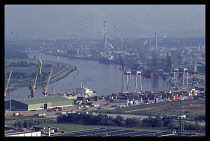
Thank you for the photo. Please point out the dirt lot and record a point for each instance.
(192, 107)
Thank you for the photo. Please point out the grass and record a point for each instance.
(192, 107)
(76, 127)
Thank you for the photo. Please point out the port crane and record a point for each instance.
(169, 60)
(7, 85)
(172, 69)
(32, 85)
(45, 85)
(176, 70)
(129, 73)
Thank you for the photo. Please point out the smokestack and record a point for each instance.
(189, 49)
(105, 35)
(156, 42)
(150, 43)
(122, 43)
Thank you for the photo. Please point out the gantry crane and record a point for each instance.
(7, 86)
(45, 87)
(129, 73)
(32, 86)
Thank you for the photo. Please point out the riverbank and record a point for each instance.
(55, 77)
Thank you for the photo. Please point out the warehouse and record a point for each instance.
(12, 133)
(38, 103)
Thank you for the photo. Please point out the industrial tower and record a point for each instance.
(156, 46)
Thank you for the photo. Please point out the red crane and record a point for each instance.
(172, 67)
(170, 63)
(126, 72)
(124, 68)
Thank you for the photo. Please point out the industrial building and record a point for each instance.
(12, 133)
(38, 103)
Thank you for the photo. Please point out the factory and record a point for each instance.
(38, 103)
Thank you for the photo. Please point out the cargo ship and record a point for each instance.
(83, 91)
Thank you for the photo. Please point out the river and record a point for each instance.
(103, 78)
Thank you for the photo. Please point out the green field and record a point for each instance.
(76, 127)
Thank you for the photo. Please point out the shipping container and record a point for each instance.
(106, 98)
(176, 97)
(116, 100)
(136, 102)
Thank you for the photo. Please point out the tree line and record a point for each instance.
(29, 124)
(26, 64)
(103, 119)
(26, 75)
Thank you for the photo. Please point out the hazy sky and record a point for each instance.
(88, 20)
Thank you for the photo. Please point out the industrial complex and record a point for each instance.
(183, 68)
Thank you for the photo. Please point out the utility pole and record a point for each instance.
(105, 37)
(181, 118)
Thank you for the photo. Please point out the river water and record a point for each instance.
(103, 78)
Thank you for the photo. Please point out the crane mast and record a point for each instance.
(124, 69)
(47, 83)
(6, 88)
(32, 86)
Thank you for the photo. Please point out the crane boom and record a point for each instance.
(124, 69)
(33, 84)
(6, 88)
(170, 62)
(47, 83)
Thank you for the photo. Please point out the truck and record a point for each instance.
(17, 114)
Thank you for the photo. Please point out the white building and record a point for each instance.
(12, 133)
